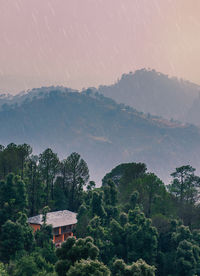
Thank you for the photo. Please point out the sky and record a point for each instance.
(84, 43)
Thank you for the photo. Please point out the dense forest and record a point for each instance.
(133, 224)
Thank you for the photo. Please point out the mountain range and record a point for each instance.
(104, 132)
(156, 93)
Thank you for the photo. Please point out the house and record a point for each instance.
(63, 223)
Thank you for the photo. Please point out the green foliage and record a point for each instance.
(139, 268)
(83, 221)
(48, 167)
(185, 188)
(15, 238)
(77, 175)
(26, 266)
(35, 186)
(44, 244)
(134, 239)
(61, 195)
(13, 198)
(97, 205)
(12, 159)
(91, 185)
(125, 173)
(24, 152)
(45, 210)
(126, 235)
(133, 220)
(46, 180)
(44, 235)
(88, 268)
(187, 258)
(152, 192)
(185, 184)
(74, 250)
(3, 270)
(136, 187)
(179, 251)
(32, 265)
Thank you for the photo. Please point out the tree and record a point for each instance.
(26, 266)
(133, 199)
(97, 207)
(60, 195)
(139, 268)
(12, 159)
(141, 237)
(45, 210)
(91, 185)
(13, 198)
(15, 238)
(150, 188)
(124, 176)
(63, 172)
(88, 268)
(185, 188)
(3, 270)
(28, 238)
(48, 167)
(77, 175)
(97, 231)
(23, 152)
(74, 250)
(187, 258)
(110, 193)
(33, 264)
(179, 251)
(43, 237)
(35, 186)
(125, 173)
(185, 184)
(9, 160)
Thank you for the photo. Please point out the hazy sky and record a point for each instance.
(81, 43)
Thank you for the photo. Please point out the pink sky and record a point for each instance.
(81, 43)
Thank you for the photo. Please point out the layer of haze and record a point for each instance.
(81, 43)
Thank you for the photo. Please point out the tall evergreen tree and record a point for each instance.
(35, 186)
(24, 152)
(77, 175)
(48, 167)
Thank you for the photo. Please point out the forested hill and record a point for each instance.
(103, 132)
(194, 112)
(154, 93)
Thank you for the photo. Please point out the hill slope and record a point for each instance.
(154, 93)
(193, 115)
(103, 132)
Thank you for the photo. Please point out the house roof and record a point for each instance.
(56, 219)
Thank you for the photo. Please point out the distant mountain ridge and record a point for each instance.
(103, 132)
(13, 100)
(155, 93)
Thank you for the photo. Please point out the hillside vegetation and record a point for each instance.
(104, 132)
(155, 93)
(132, 225)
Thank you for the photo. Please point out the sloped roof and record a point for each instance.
(56, 219)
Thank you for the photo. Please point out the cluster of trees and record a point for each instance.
(134, 216)
(49, 181)
(132, 225)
